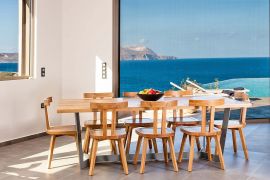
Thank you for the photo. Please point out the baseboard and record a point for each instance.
(22, 139)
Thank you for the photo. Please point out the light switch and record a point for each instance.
(42, 72)
(104, 70)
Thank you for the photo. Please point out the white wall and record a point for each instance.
(20, 100)
(73, 38)
(86, 43)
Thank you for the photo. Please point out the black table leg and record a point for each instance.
(224, 128)
(83, 164)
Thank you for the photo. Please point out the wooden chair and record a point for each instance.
(205, 130)
(237, 125)
(106, 133)
(55, 131)
(163, 132)
(180, 120)
(130, 124)
(94, 123)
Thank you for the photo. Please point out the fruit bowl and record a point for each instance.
(150, 94)
(150, 97)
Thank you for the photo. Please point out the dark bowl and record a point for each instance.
(150, 97)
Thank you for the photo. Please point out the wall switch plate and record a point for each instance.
(42, 72)
(104, 70)
(42, 105)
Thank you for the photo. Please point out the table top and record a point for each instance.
(83, 105)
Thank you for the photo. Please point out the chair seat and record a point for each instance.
(62, 130)
(186, 121)
(144, 122)
(117, 134)
(196, 131)
(232, 124)
(148, 132)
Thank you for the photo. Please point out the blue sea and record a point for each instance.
(8, 67)
(251, 73)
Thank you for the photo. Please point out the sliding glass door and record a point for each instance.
(217, 43)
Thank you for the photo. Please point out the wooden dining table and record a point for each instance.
(78, 106)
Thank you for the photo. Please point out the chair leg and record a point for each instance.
(174, 130)
(125, 140)
(198, 143)
(165, 151)
(209, 148)
(123, 155)
(191, 154)
(173, 154)
(155, 145)
(113, 147)
(135, 160)
(243, 140)
(221, 160)
(144, 149)
(86, 141)
(150, 144)
(189, 139)
(180, 156)
(234, 140)
(216, 151)
(93, 157)
(51, 151)
(128, 140)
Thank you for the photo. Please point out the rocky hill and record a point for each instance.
(141, 53)
(8, 57)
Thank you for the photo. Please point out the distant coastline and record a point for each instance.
(140, 53)
(8, 57)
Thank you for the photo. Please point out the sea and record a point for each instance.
(250, 73)
(135, 75)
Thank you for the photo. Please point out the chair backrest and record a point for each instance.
(155, 106)
(130, 94)
(98, 95)
(107, 105)
(242, 96)
(205, 103)
(47, 103)
(180, 93)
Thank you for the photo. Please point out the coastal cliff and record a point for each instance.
(8, 57)
(141, 53)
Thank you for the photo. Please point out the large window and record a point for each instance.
(222, 43)
(16, 37)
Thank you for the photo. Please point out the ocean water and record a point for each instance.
(251, 73)
(8, 67)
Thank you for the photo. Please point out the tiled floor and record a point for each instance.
(28, 160)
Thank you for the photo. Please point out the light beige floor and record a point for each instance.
(28, 160)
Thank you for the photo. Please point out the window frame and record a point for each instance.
(25, 43)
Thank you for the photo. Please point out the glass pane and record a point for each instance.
(222, 43)
(9, 35)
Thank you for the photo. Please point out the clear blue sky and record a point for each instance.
(8, 26)
(197, 28)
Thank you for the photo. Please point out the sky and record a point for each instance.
(197, 28)
(9, 26)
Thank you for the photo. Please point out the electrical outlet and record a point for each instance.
(42, 105)
(42, 72)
